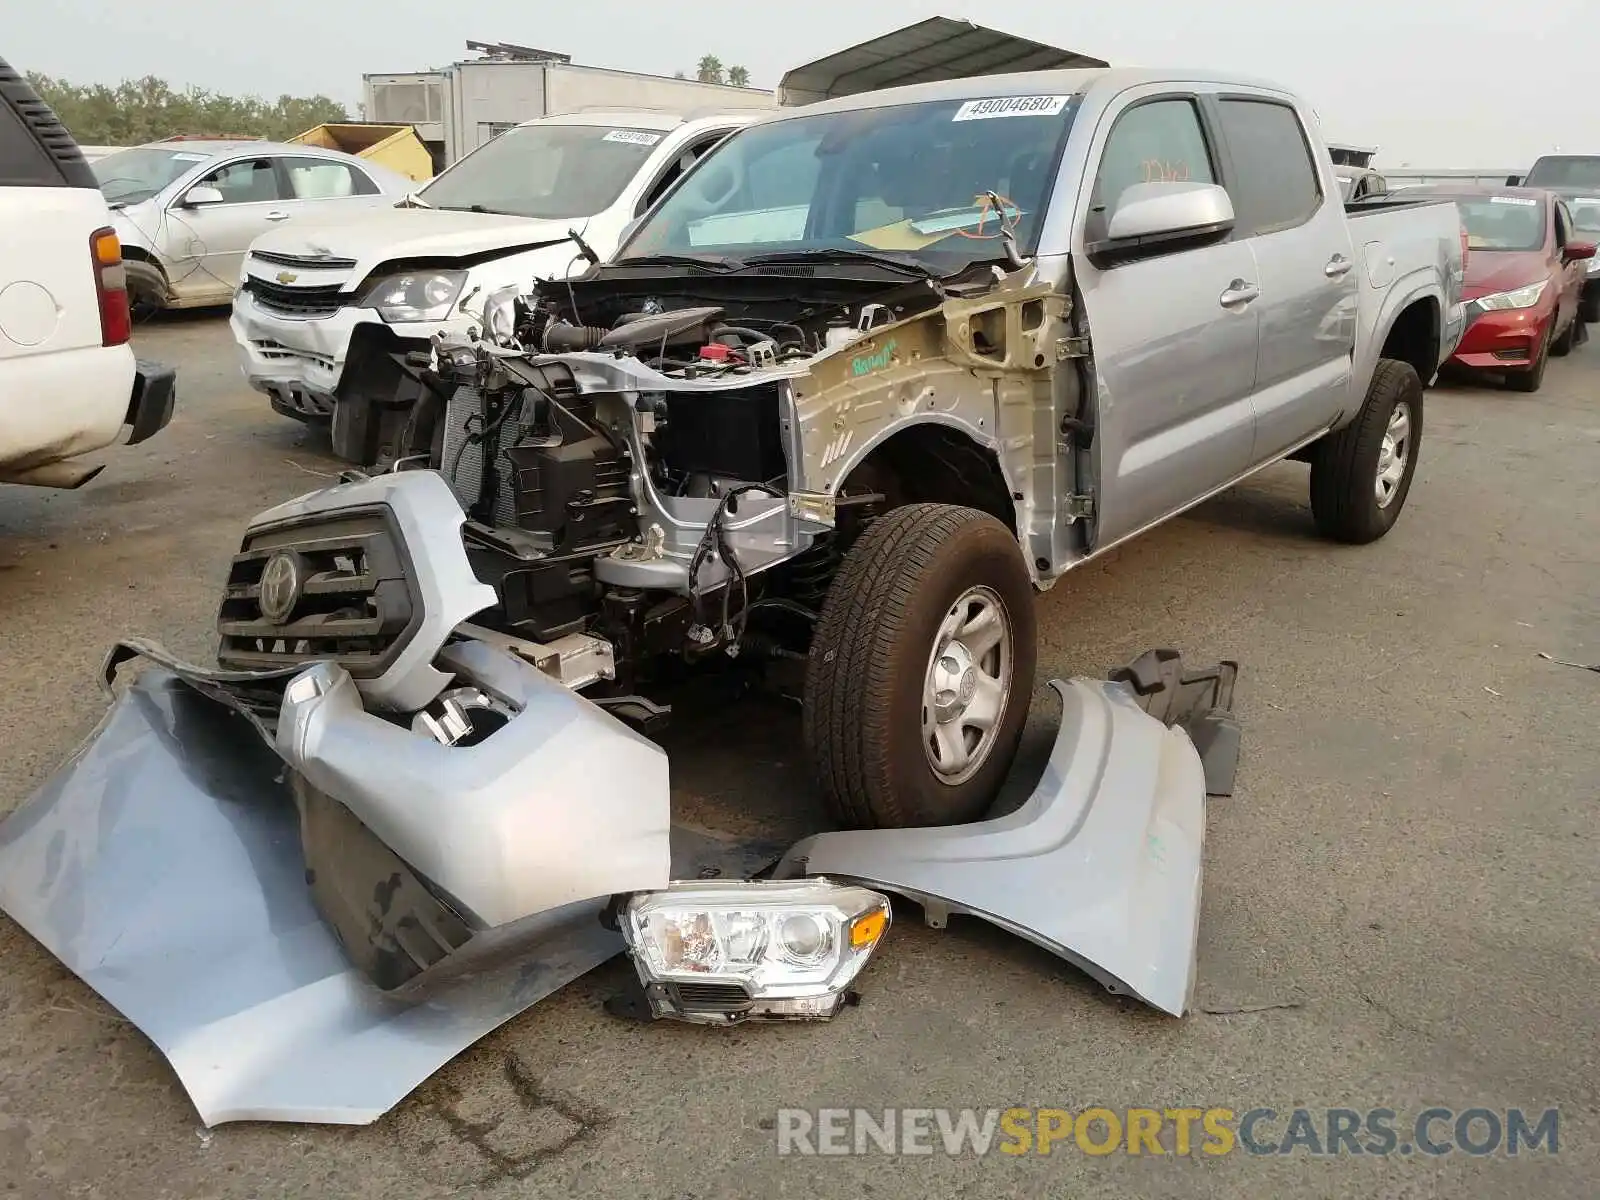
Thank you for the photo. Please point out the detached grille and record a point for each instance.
(321, 301)
(305, 262)
(354, 604)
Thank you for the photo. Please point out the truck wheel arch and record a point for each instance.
(934, 460)
(1415, 333)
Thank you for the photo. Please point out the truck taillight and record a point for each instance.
(111, 287)
(1466, 243)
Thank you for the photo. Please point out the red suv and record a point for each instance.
(1525, 277)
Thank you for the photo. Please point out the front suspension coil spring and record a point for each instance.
(811, 574)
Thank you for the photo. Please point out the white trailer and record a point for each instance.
(460, 107)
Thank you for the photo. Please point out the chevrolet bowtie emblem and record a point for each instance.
(287, 277)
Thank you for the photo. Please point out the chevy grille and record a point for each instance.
(321, 301)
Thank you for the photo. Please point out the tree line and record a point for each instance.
(148, 109)
(711, 70)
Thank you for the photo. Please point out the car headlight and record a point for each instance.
(1593, 266)
(726, 951)
(1523, 297)
(422, 296)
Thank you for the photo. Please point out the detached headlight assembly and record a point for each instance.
(726, 951)
(1523, 297)
(422, 296)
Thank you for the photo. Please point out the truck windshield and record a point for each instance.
(131, 176)
(1502, 222)
(1565, 171)
(932, 181)
(546, 171)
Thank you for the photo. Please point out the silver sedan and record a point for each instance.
(187, 210)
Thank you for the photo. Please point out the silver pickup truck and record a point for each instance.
(878, 369)
(867, 378)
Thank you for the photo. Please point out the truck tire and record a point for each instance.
(1360, 475)
(905, 724)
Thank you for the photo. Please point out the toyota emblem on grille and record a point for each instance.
(280, 586)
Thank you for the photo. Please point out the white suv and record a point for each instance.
(326, 306)
(69, 381)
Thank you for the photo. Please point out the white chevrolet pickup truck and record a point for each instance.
(69, 381)
(323, 304)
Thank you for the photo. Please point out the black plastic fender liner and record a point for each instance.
(1200, 702)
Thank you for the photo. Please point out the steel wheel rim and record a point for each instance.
(967, 685)
(1394, 454)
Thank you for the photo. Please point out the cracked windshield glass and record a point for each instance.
(940, 183)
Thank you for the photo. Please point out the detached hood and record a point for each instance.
(372, 237)
(1490, 271)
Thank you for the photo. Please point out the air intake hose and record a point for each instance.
(565, 338)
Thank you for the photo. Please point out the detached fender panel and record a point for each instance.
(1101, 865)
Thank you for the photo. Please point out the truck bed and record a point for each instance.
(1401, 242)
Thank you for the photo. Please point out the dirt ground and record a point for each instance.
(1399, 906)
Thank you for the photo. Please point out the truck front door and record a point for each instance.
(1173, 335)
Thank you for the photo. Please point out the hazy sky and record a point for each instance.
(1469, 83)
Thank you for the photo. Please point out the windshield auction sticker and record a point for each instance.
(634, 137)
(1519, 201)
(1011, 106)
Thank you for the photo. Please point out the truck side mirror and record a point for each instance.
(1160, 218)
(1513, 180)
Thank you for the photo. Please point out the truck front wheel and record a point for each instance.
(1361, 474)
(921, 669)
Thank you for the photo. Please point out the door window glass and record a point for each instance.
(1276, 185)
(1154, 142)
(252, 181)
(320, 179)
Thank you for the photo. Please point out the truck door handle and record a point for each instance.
(277, 215)
(1337, 267)
(1239, 293)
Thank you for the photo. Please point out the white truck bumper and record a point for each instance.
(59, 405)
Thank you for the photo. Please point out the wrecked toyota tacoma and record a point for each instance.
(871, 375)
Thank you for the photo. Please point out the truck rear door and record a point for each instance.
(1173, 333)
(1290, 209)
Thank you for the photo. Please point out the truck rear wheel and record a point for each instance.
(921, 669)
(1360, 475)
